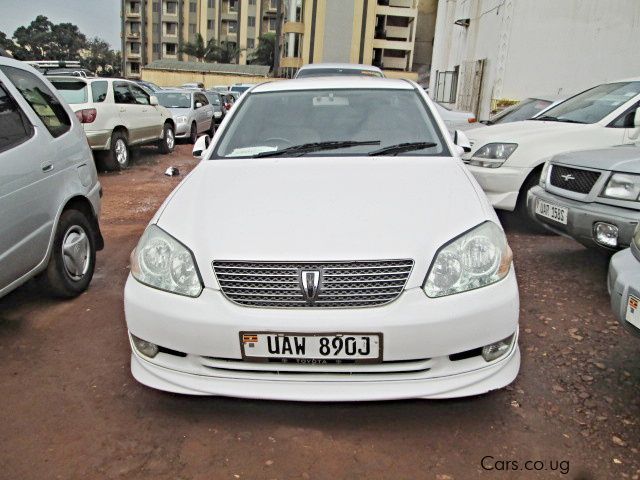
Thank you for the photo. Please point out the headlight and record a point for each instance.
(543, 175)
(636, 236)
(161, 261)
(181, 119)
(477, 258)
(492, 155)
(623, 186)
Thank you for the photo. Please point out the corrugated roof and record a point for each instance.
(228, 68)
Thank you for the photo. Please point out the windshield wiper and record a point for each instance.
(402, 147)
(314, 147)
(549, 118)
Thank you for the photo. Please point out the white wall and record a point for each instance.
(535, 47)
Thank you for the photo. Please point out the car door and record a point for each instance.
(34, 161)
(206, 112)
(149, 115)
(128, 110)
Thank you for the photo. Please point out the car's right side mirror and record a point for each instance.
(461, 140)
(201, 146)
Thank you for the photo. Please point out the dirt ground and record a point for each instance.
(70, 408)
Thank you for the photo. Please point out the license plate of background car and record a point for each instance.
(311, 347)
(551, 211)
(633, 313)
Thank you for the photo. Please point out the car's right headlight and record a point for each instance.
(181, 119)
(636, 237)
(162, 262)
(492, 155)
(477, 258)
(623, 186)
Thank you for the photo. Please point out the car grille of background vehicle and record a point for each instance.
(573, 179)
(341, 284)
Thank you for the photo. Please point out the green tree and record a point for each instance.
(99, 58)
(44, 40)
(225, 52)
(265, 53)
(6, 43)
(212, 51)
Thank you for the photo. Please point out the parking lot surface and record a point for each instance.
(70, 408)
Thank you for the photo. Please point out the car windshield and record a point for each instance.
(382, 117)
(524, 110)
(174, 99)
(594, 104)
(72, 91)
(214, 98)
(333, 72)
(240, 88)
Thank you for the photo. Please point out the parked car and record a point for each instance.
(49, 188)
(507, 159)
(338, 69)
(525, 109)
(454, 119)
(150, 87)
(215, 100)
(61, 67)
(266, 275)
(193, 86)
(220, 88)
(191, 111)
(240, 88)
(592, 196)
(117, 114)
(228, 99)
(624, 285)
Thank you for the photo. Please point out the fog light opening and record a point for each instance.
(495, 350)
(606, 234)
(147, 349)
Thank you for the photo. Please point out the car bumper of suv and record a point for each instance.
(582, 217)
(624, 281)
(501, 185)
(201, 345)
(99, 139)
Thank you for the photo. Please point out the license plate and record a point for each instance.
(551, 211)
(311, 348)
(633, 314)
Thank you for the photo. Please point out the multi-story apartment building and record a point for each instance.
(157, 29)
(378, 32)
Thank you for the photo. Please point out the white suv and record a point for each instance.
(507, 159)
(117, 114)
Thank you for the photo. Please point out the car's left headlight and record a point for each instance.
(492, 155)
(475, 259)
(162, 262)
(636, 237)
(181, 119)
(623, 186)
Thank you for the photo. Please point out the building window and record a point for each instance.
(293, 14)
(210, 24)
(155, 7)
(170, 49)
(211, 3)
(134, 7)
(171, 28)
(135, 68)
(272, 24)
(156, 28)
(134, 28)
(192, 29)
(293, 45)
(446, 86)
(171, 8)
(233, 5)
(155, 48)
(251, 43)
(252, 2)
(273, 4)
(232, 27)
(134, 48)
(251, 21)
(193, 7)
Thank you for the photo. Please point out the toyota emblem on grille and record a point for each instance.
(309, 284)
(568, 177)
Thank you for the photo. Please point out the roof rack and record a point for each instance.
(61, 67)
(54, 63)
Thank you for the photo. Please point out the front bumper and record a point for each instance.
(582, 217)
(501, 185)
(419, 335)
(624, 280)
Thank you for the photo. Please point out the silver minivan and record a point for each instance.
(49, 188)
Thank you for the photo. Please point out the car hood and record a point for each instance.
(176, 112)
(522, 131)
(321, 209)
(622, 158)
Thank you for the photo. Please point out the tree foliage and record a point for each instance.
(264, 54)
(99, 58)
(213, 51)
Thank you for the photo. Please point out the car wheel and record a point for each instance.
(117, 157)
(168, 141)
(73, 256)
(529, 223)
(212, 128)
(193, 134)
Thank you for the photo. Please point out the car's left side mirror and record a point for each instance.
(198, 104)
(201, 146)
(153, 100)
(461, 140)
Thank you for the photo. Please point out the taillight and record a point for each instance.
(87, 115)
(471, 120)
(228, 106)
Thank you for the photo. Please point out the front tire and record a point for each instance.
(529, 223)
(73, 256)
(118, 155)
(212, 128)
(193, 134)
(168, 141)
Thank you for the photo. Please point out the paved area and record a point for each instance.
(70, 408)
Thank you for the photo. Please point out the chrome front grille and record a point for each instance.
(573, 179)
(340, 284)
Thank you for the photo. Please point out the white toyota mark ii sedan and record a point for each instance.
(330, 246)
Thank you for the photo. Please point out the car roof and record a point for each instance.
(334, 82)
(343, 66)
(178, 90)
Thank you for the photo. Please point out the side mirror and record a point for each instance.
(153, 100)
(201, 146)
(636, 118)
(461, 140)
(198, 104)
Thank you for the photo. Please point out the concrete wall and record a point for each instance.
(165, 78)
(425, 33)
(338, 31)
(538, 47)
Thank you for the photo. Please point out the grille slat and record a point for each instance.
(342, 284)
(573, 179)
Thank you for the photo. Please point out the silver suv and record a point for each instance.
(49, 189)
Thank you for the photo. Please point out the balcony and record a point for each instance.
(396, 63)
(133, 34)
(406, 46)
(403, 33)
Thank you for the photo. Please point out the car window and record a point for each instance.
(73, 91)
(308, 116)
(523, 111)
(41, 99)
(174, 99)
(122, 94)
(99, 91)
(626, 120)
(14, 125)
(141, 97)
(333, 72)
(201, 98)
(214, 98)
